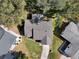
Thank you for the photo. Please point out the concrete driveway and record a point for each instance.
(64, 57)
(76, 56)
(45, 52)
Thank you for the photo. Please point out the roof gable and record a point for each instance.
(6, 42)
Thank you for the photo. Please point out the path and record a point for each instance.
(45, 52)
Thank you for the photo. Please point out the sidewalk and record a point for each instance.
(45, 52)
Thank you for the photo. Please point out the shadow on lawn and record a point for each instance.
(14, 55)
(19, 55)
(58, 30)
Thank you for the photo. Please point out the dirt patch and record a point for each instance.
(21, 47)
(14, 29)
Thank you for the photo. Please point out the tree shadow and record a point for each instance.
(58, 30)
(21, 28)
(14, 55)
(19, 55)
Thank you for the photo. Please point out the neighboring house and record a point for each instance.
(9, 56)
(70, 35)
(8, 40)
(39, 29)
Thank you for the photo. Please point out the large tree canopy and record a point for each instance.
(50, 7)
(71, 9)
(46, 6)
(12, 11)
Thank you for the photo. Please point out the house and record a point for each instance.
(39, 29)
(8, 40)
(9, 56)
(70, 35)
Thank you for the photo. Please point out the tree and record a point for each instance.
(48, 7)
(12, 11)
(6, 7)
(71, 9)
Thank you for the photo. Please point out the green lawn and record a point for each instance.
(34, 48)
(54, 54)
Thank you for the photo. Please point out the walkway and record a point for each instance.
(45, 52)
(64, 57)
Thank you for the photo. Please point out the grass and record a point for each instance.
(54, 54)
(34, 48)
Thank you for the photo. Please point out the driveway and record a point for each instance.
(45, 52)
(64, 57)
(76, 56)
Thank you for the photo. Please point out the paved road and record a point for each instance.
(45, 52)
(64, 57)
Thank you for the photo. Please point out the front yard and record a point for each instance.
(28, 46)
(33, 48)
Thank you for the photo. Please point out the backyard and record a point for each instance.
(54, 54)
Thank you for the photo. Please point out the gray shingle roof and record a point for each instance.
(71, 34)
(71, 50)
(46, 41)
(40, 30)
(6, 42)
(1, 32)
(28, 28)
